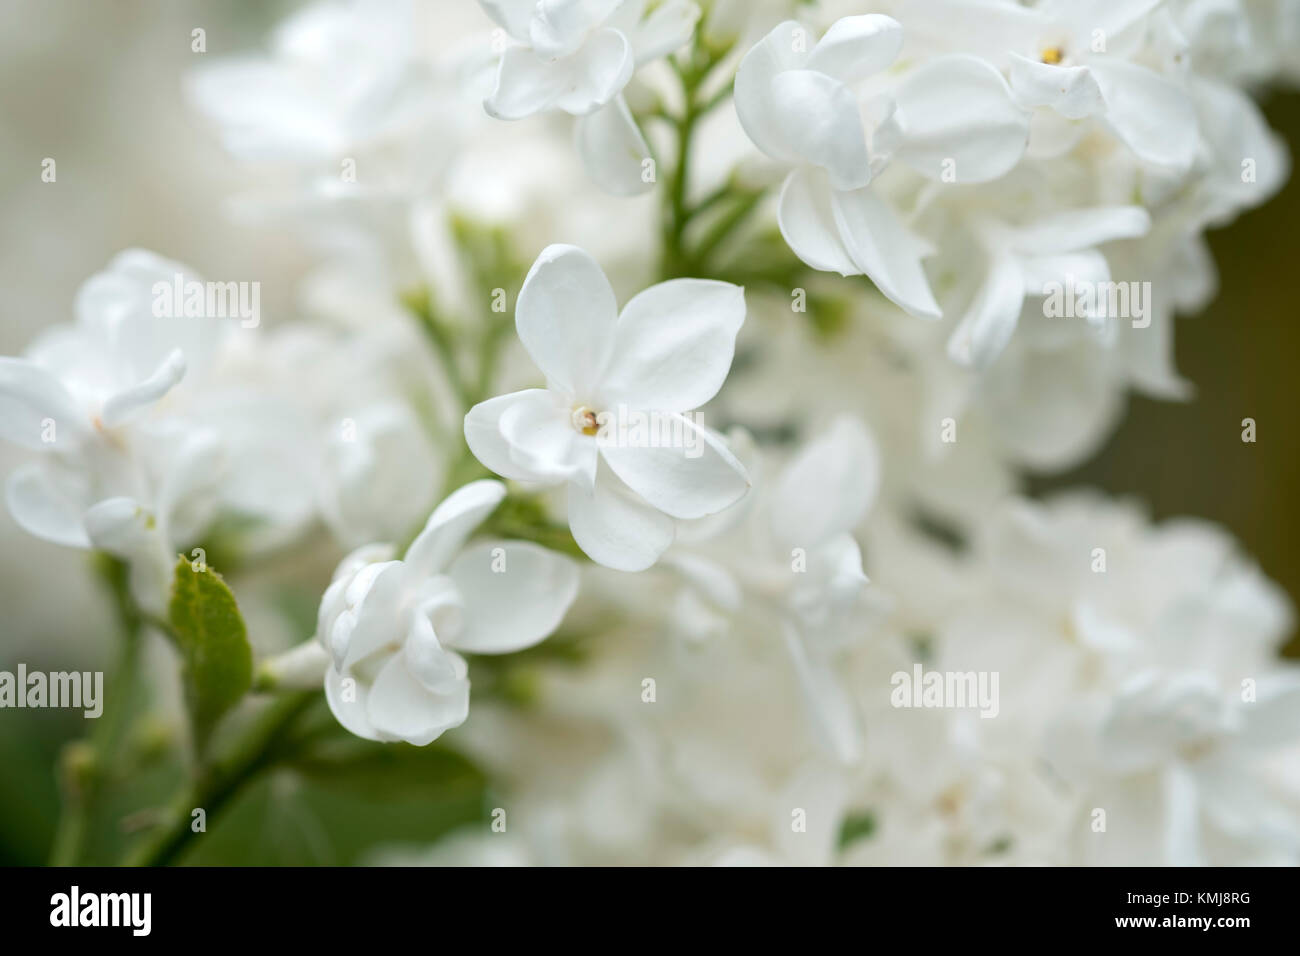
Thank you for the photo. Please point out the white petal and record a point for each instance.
(1236, 129)
(451, 524)
(511, 15)
(49, 502)
(192, 481)
(122, 528)
(667, 28)
(1071, 91)
(1080, 268)
(1051, 135)
(808, 224)
(691, 474)
(515, 595)
(959, 119)
(120, 407)
(565, 317)
(831, 709)
(615, 528)
(350, 712)
(884, 249)
(402, 708)
(483, 434)
(528, 84)
(264, 110)
(1081, 229)
(859, 46)
(673, 345)
(1182, 818)
(543, 442)
(828, 487)
(118, 304)
(613, 150)
(1087, 18)
(559, 27)
(818, 117)
(30, 394)
(989, 323)
(753, 88)
(377, 595)
(1273, 720)
(713, 581)
(1152, 116)
(431, 664)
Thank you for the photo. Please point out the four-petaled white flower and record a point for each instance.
(577, 56)
(392, 627)
(952, 120)
(667, 353)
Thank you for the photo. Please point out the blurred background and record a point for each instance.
(97, 87)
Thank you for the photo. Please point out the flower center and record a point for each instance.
(584, 420)
(1052, 55)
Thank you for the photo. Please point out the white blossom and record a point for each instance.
(665, 354)
(393, 627)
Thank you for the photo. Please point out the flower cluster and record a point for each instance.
(874, 267)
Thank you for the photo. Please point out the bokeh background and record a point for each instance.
(96, 85)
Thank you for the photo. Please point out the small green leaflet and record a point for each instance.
(210, 634)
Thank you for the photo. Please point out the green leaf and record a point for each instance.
(856, 826)
(210, 634)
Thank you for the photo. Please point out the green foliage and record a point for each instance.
(206, 626)
(856, 826)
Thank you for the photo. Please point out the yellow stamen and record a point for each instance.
(584, 420)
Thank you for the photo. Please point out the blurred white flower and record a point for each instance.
(1024, 261)
(951, 119)
(1181, 769)
(791, 563)
(123, 462)
(665, 354)
(350, 114)
(392, 628)
(577, 56)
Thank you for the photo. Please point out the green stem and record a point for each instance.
(676, 259)
(221, 780)
(746, 203)
(84, 764)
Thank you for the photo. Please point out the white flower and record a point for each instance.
(1025, 261)
(392, 627)
(351, 121)
(378, 474)
(345, 79)
(127, 459)
(795, 564)
(1182, 769)
(951, 119)
(666, 353)
(1076, 62)
(111, 472)
(577, 56)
